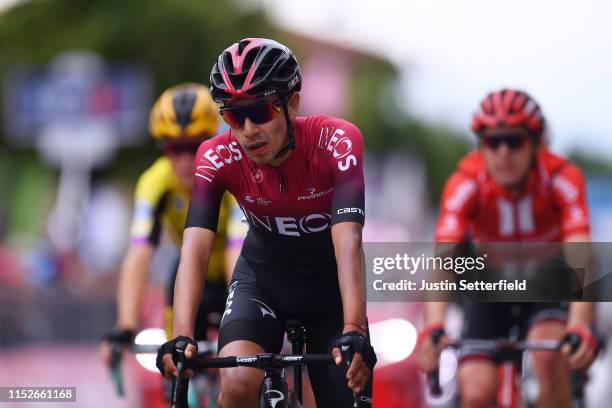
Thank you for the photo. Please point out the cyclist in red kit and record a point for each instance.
(299, 182)
(514, 189)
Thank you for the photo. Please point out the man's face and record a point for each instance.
(260, 126)
(182, 155)
(508, 154)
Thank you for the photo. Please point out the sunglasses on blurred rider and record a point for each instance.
(178, 148)
(258, 113)
(514, 141)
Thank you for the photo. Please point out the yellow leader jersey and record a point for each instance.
(162, 201)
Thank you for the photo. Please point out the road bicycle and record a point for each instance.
(510, 355)
(274, 391)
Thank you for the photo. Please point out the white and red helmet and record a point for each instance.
(509, 108)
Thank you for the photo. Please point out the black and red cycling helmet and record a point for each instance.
(509, 108)
(253, 68)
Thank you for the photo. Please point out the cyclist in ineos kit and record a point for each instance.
(299, 181)
(512, 188)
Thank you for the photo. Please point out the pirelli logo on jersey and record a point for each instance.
(215, 158)
(334, 140)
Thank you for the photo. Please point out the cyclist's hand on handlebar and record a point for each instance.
(586, 351)
(357, 349)
(118, 337)
(172, 352)
(358, 374)
(432, 340)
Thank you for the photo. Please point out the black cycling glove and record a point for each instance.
(354, 342)
(176, 347)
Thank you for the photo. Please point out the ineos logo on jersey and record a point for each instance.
(215, 158)
(290, 226)
(341, 146)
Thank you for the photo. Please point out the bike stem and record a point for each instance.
(296, 333)
(274, 385)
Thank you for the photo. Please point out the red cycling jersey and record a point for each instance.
(551, 207)
(320, 184)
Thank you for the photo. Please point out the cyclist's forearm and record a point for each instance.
(351, 276)
(435, 312)
(193, 267)
(187, 292)
(132, 283)
(580, 313)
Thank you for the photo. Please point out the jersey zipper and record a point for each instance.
(281, 181)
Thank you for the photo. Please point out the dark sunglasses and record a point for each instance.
(514, 142)
(176, 149)
(258, 113)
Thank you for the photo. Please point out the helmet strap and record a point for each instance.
(291, 144)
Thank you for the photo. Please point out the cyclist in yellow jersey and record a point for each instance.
(182, 117)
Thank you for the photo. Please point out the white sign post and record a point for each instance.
(77, 113)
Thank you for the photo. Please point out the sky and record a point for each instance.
(451, 53)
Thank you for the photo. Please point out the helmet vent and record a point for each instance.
(249, 59)
(183, 106)
(228, 61)
(242, 45)
(267, 65)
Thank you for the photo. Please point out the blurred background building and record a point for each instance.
(77, 79)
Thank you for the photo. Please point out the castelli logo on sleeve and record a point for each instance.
(257, 175)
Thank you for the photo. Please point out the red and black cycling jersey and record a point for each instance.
(290, 209)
